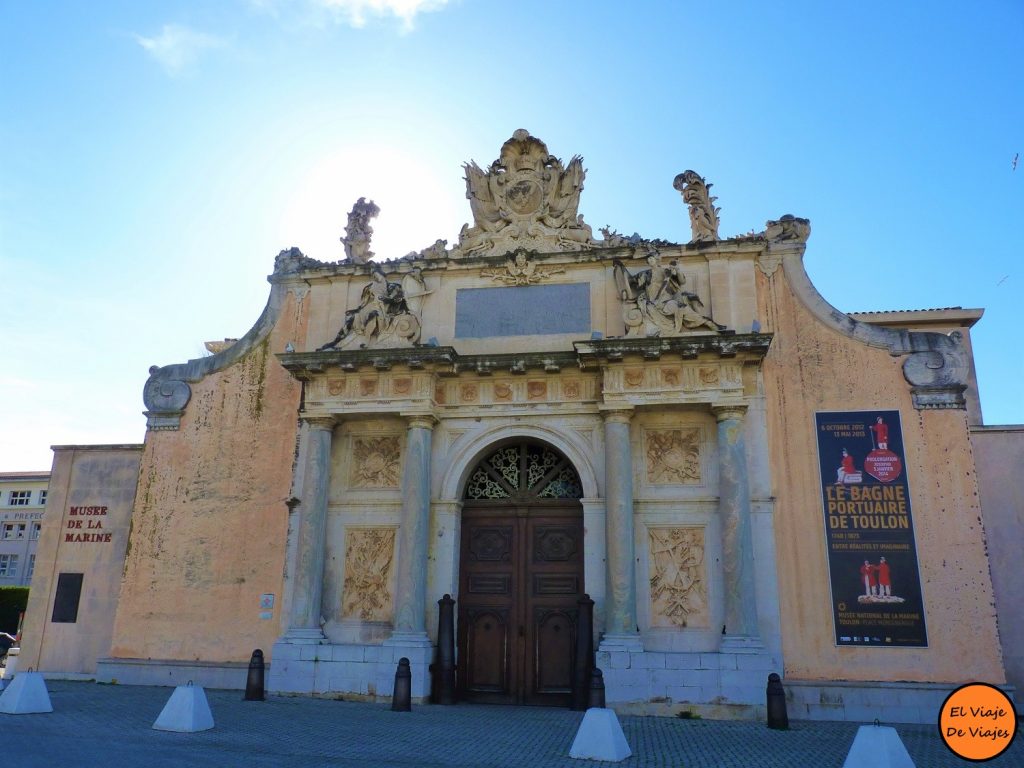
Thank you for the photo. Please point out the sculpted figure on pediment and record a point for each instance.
(388, 313)
(656, 303)
(696, 194)
(358, 232)
(526, 199)
(788, 227)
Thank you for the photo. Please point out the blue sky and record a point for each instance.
(155, 157)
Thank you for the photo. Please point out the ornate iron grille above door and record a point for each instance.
(523, 472)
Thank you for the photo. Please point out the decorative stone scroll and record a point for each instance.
(672, 456)
(679, 596)
(696, 194)
(654, 302)
(389, 314)
(369, 562)
(526, 199)
(358, 232)
(376, 462)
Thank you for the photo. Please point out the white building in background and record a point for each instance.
(22, 502)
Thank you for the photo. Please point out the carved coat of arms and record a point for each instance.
(526, 199)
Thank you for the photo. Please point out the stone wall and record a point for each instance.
(210, 523)
(85, 531)
(814, 367)
(999, 453)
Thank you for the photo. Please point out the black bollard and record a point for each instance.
(596, 690)
(401, 699)
(777, 717)
(254, 681)
(444, 673)
(584, 661)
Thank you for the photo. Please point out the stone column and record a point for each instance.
(308, 579)
(620, 600)
(737, 543)
(411, 592)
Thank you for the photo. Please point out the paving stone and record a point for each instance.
(109, 725)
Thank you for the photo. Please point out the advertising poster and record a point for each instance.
(869, 530)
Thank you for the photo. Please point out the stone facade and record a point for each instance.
(303, 489)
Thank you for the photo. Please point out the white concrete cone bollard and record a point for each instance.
(26, 695)
(878, 746)
(600, 737)
(187, 711)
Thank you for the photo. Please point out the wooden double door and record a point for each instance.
(521, 576)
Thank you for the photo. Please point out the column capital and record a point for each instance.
(725, 412)
(320, 422)
(420, 421)
(616, 415)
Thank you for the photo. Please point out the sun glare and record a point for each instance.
(418, 205)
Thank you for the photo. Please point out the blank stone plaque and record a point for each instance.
(528, 310)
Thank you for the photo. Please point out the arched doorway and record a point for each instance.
(520, 576)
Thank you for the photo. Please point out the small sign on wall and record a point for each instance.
(266, 606)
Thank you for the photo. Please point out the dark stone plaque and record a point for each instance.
(526, 310)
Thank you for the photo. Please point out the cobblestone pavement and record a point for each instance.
(110, 726)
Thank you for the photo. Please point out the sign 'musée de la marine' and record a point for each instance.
(869, 530)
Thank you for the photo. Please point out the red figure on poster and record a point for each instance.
(867, 574)
(884, 582)
(881, 430)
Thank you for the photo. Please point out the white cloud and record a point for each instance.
(355, 12)
(177, 48)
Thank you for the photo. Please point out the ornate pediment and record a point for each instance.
(526, 199)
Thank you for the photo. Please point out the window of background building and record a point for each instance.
(34, 533)
(8, 566)
(42, 498)
(20, 498)
(31, 567)
(14, 530)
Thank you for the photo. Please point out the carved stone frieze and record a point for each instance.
(520, 270)
(696, 194)
(678, 581)
(655, 303)
(672, 456)
(369, 561)
(526, 199)
(376, 461)
(389, 313)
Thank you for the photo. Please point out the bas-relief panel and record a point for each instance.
(369, 563)
(678, 577)
(375, 462)
(673, 456)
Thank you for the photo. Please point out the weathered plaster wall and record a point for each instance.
(104, 478)
(999, 454)
(210, 522)
(809, 368)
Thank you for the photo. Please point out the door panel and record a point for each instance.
(521, 575)
(487, 639)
